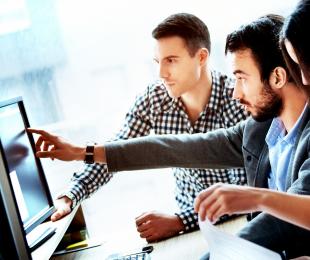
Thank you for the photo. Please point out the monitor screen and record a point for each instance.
(22, 167)
(13, 244)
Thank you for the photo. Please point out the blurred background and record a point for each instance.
(78, 64)
(78, 60)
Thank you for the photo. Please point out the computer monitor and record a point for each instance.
(21, 167)
(13, 244)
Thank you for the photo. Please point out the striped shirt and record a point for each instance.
(155, 111)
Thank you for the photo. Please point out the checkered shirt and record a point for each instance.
(154, 111)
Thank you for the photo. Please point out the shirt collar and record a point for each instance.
(169, 103)
(292, 134)
(216, 84)
(277, 131)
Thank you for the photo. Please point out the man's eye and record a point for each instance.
(170, 60)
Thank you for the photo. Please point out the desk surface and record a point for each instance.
(191, 245)
(47, 249)
(183, 247)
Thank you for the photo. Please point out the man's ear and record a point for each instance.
(203, 55)
(278, 78)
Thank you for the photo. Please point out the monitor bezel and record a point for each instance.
(16, 228)
(49, 211)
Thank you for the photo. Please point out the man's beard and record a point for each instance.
(269, 106)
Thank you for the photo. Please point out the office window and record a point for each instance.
(69, 58)
(14, 16)
(31, 50)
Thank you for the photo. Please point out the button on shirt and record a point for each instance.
(281, 147)
(155, 111)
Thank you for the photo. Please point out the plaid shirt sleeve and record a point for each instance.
(137, 123)
(189, 219)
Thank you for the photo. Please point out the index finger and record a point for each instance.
(40, 132)
(201, 197)
(141, 219)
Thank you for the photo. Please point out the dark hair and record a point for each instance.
(262, 38)
(190, 28)
(295, 30)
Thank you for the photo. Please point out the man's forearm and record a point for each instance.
(292, 208)
(209, 150)
(89, 180)
(216, 149)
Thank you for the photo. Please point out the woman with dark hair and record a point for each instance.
(295, 43)
(222, 199)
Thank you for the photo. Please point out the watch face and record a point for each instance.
(89, 158)
(89, 155)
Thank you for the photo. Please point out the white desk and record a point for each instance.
(191, 245)
(183, 247)
(47, 249)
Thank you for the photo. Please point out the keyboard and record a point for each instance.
(144, 254)
(136, 256)
(39, 235)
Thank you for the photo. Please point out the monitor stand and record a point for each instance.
(39, 235)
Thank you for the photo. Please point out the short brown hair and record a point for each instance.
(190, 28)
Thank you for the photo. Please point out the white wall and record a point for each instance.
(110, 49)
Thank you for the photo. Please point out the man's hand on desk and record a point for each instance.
(155, 226)
(221, 199)
(63, 208)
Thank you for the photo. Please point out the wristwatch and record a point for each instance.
(89, 155)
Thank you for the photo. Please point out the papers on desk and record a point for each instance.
(224, 246)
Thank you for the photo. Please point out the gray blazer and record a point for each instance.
(240, 146)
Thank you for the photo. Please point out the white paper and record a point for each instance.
(224, 246)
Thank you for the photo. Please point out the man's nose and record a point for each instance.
(163, 72)
(237, 93)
